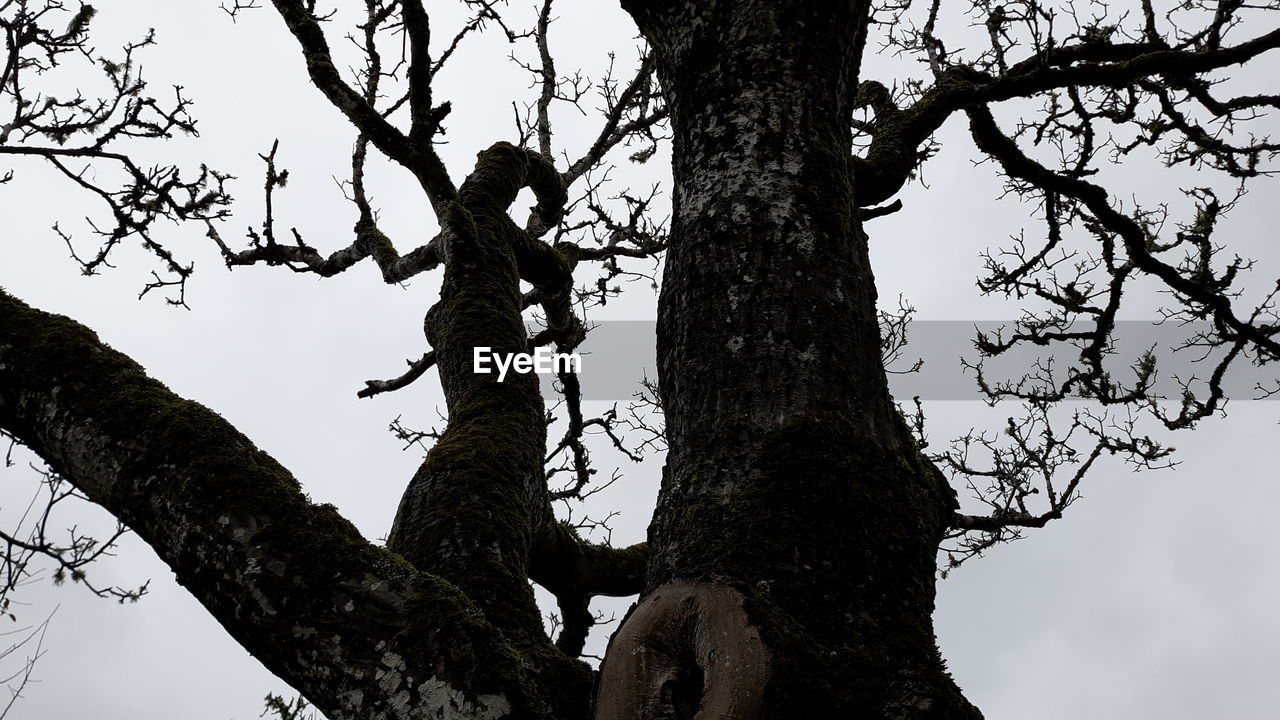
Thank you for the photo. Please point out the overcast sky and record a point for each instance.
(1153, 598)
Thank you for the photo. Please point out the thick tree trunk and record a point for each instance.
(794, 542)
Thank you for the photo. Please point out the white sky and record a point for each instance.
(1153, 599)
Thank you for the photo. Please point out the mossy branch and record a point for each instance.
(289, 580)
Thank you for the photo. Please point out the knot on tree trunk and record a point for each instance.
(687, 651)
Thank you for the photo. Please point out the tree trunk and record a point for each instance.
(794, 542)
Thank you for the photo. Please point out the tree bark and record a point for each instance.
(479, 501)
(354, 627)
(793, 546)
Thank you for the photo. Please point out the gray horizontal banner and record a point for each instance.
(618, 355)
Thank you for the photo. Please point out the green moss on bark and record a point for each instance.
(831, 539)
(294, 582)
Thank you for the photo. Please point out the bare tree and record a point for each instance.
(791, 561)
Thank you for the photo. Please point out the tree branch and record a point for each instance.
(1137, 244)
(243, 539)
(574, 570)
(897, 133)
(369, 242)
(414, 152)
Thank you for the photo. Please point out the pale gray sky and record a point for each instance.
(1153, 599)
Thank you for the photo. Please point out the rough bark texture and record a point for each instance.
(353, 626)
(473, 509)
(790, 479)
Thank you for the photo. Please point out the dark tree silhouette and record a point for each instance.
(791, 560)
